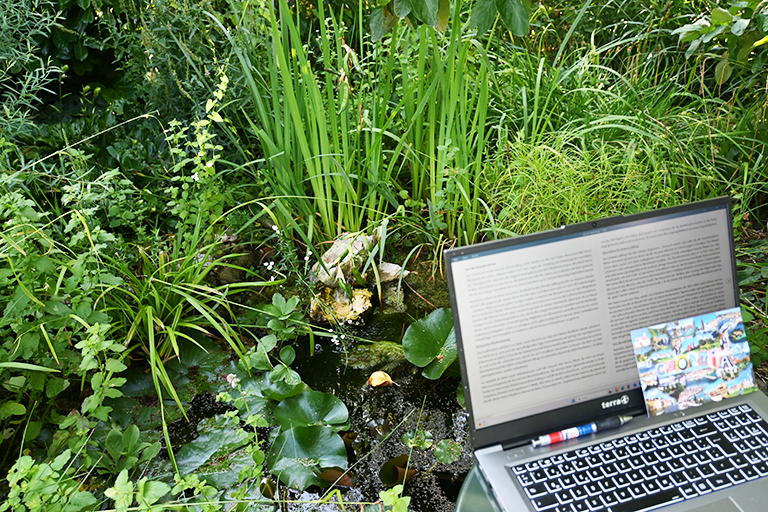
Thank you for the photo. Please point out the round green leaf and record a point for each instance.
(299, 453)
(312, 408)
(287, 355)
(425, 338)
(431, 342)
(444, 359)
(12, 409)
(447, 451)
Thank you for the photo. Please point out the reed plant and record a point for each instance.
(168, 298)
(349, 135)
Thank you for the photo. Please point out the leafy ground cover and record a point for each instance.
(171, 171)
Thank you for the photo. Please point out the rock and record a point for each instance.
(333, 306)
(347, 252)
(389, 272)
(392, 299)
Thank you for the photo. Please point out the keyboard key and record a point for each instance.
(609, 470)
(735, 476)
(607, 485)
(545, 502)
(594, 503)
(688, 490)
(609, 499)
(536, 490)
(578, 493)
(580, 506)
(662, 468)
(719, 482)
(749, 473)
(665, 483)
(564, 497)
(623, 495)
(722, 466)
(652, 487)
(593, 489)
(702, 487)
(692, 475)
(622, 466)
(621, 480)
(706, 470)
(553, 486)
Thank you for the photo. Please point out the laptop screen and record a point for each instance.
(543, 321)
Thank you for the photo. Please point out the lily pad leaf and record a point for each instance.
(447, 451)
(431, 343)
(444, 360)
(217, 435)
(299, 455)
(312, 408)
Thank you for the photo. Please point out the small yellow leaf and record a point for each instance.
(378, 379)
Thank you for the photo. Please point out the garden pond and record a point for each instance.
(414, 428)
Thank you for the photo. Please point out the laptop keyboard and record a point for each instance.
(654, 468)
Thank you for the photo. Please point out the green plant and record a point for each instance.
(50, 269)
(198, 194)
(23, 74)
(47, 486)
(431, 343)
(394, 498)
(122, 451)
(168, 299)
(283, 318)
(515, 15)
(741, 31)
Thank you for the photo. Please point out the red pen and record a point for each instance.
(574, 432)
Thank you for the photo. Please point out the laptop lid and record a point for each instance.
(543, 321)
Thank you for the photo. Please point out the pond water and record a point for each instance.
(379, 417)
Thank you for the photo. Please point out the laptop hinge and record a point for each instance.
(514, 444)
(489, 449)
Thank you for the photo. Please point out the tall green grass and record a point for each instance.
(347, 138)
(616, 128)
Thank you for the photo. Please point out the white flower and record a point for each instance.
(195, 177)
(232, 380)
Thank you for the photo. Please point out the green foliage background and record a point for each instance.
(140, 140)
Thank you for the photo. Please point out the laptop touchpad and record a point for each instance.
(726, 505)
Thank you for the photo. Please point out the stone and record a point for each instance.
(333, 306)
(347, 252)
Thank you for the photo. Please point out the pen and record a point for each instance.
(589, 428)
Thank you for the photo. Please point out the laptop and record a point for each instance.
(543, 325)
